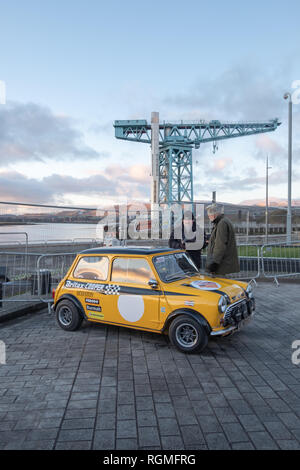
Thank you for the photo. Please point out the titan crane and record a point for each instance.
(171, 149)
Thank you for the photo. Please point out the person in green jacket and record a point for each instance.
(222, 256)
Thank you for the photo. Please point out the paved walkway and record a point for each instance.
(114, 388)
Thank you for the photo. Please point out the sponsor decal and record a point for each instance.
(92, 301)
(96, 315)
(205, 285)
(93, 308)
(80, 293)
(106, 289)
(190, 303)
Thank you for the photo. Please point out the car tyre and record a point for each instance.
(68, 316)
(187, 334)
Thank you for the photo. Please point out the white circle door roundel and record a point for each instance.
(131, 307)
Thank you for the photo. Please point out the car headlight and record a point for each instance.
(222, 305)
(249, 291)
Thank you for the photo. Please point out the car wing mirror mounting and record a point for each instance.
(153, 283)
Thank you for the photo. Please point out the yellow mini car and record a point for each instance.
(152, 289)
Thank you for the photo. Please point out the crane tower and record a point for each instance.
(171, 149)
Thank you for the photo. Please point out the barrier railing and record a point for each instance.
(17, 275)
(280, 260)
(250, 262)
(51, 268)
(29, 278)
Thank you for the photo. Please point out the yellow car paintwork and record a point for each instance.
(170, 296)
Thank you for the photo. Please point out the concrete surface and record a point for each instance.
(114, 388)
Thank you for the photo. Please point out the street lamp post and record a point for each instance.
(267, 197)
(289, 211)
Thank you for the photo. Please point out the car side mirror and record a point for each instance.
(153, 283)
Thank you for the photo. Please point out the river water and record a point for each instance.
(48, 232)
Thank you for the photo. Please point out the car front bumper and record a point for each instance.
(229, 329)
(236, 316)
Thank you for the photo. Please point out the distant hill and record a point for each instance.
(273, 201)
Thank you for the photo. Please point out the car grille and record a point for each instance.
(237, 312)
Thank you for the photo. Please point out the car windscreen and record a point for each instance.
(174, 266)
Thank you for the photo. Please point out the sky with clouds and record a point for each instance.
(72, 67)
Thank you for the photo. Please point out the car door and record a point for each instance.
(137, 303)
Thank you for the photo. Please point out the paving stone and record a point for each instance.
(144, 403)
(226, 415)
(251, 423)
(291, 420)
(84, 423)
(82, 404)
(278, 405)
(209, 424)
(42, 434)
(242, 446)
(31, 445)
(165, 410)
(168, 427)
(148, 437)
(146, 418)
(76, 445)
(75, 435)
(106, 406)
(217, 400)
(288, 444)
(192, 435)
(127, 444)
(278, 430)
(217, 441)
(262, 441)
(172, 443)
(104, 440)
(125, 398)
(126, 429)
(234, 432)
(79, 414)
(161, 397)
(240, 407)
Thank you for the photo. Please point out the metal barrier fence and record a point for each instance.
(17, 280)
(52, 267)
(28, 278)
(250, 262)
(280, 260)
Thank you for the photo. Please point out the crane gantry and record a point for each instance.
(171, 149)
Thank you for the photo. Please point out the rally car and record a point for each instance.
(152, 289)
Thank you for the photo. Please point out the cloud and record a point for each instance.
(30, 132)
(112, 182)
(252, 181)
(243, 92)
(16, 187)
(222, 163)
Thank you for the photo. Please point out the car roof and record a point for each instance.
(127, 250)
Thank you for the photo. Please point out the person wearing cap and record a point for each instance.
(222, 257)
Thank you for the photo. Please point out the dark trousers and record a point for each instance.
(196, 257)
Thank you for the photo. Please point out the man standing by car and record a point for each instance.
(222, 256)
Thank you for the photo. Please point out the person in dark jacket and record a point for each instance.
(188, 227)
(222, 256)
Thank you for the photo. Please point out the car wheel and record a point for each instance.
(187, 334)
(68, 316)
